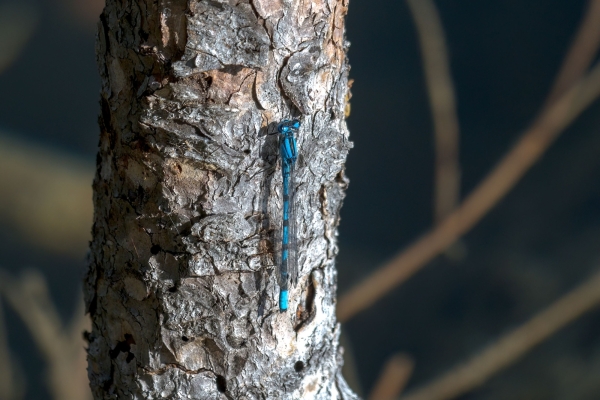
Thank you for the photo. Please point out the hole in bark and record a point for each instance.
(155, 249)
(299, 366)
(173, 289)
(306, 312)
(221, 384)
(140, 195)
(185, 338)
(179, 168)
(145, 147)
(247, 151)
(310, 297)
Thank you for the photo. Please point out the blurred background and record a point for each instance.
(442, 92)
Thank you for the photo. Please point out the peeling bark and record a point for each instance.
(182, 281)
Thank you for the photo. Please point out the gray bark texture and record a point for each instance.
(182, 284)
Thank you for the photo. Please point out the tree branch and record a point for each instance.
(442, 99)
(63, 349)
(581, 52)
(394, 377)
(490, 191)
(513, 345)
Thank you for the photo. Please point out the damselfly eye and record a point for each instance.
(295, 124)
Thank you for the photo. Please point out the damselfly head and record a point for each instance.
(286, 126)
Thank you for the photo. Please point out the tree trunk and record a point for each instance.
(182, 283)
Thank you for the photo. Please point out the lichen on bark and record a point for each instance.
(182, 282)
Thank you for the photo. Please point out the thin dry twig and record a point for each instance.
(393, 378)
(11, 380)
(494, 187)
(581, 52)
(46, 197)
(525, 153)
(63, 349)
(442, 98)
(513, 345)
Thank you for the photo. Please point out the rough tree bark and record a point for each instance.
(182, 285)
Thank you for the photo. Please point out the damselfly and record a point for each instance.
(288, 268)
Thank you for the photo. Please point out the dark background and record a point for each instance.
(539, 242)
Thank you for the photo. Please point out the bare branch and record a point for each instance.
(513, 345)
(11, 380)
(394, 377)
(46, 197)
(492, 189)
(63, 350)
(442, 98)
(581, 52)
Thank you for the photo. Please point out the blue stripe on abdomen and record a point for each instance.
(283, 300)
